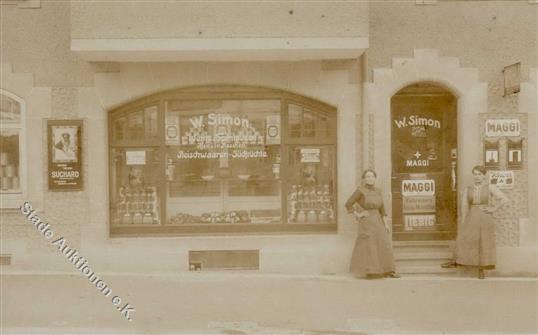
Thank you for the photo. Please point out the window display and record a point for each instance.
(222, 169)
(222, 165)
(9, 160)
(310, 193)
(135, 191)
(10, 132)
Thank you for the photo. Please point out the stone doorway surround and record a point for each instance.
(425, 66)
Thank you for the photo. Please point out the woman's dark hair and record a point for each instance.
(368, 170)
(480, 168)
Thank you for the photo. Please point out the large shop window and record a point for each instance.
(11, 150)
(222, 160)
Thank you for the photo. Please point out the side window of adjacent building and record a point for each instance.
(222, 160)
(12, 149)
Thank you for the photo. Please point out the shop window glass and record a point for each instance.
(10, 145)
(311, 186)
(224, 166)
(219, 163)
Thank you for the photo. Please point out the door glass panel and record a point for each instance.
(135, 126)
(424, 140)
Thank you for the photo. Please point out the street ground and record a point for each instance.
(252, 303)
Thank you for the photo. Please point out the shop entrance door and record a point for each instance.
(424, 161)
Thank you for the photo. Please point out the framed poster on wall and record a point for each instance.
(64, 155)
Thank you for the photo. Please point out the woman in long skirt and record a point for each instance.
(372, 255)
(475, 245)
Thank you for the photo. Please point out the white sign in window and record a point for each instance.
(418, 187)
(310, 155)
(136, 157)
(412, 222)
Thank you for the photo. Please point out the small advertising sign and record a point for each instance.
(272, 134)
(172, 130)
(514, 154)
(418, 187)
(64, 155)
(491, 154)
(135, 157)
(310, 155)
(419, 204)
(413, 222)
(502, 179)
(503, 127)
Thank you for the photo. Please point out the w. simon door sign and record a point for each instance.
(417, 141)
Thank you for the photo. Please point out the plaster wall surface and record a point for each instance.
(485, 35)
(36, 41)
(225, 19)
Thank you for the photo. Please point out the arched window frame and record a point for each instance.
(12, 200)
(223, 92)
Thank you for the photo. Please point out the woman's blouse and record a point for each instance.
(367, 198)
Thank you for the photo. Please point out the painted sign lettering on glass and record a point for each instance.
(417, 141)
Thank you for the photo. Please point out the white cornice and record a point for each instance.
(219, 49)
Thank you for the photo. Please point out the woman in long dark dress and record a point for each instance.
(372, 255)
(475, 245)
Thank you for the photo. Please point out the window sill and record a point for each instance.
(223, 229)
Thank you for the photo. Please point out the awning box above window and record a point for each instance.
(219, 49)
(157, 31)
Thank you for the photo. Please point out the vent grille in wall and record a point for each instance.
(224, 260)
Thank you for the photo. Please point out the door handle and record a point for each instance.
(453, 175)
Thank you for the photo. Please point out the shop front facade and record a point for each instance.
(189, 152)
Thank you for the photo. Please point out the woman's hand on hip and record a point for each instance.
(360, 215)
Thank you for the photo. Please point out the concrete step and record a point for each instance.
(422, 246)
(422, 257)
(421, 243)
(415, 256)
(423, 269)
(435, 264)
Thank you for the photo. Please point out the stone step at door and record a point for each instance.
(423, 257)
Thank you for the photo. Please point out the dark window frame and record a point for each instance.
(224, 92)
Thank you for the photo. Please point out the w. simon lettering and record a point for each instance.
(415, 120)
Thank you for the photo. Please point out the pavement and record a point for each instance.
(254, 303)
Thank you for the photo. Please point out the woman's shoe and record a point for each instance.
(449, 265)
(392, 275)
(374, 276)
